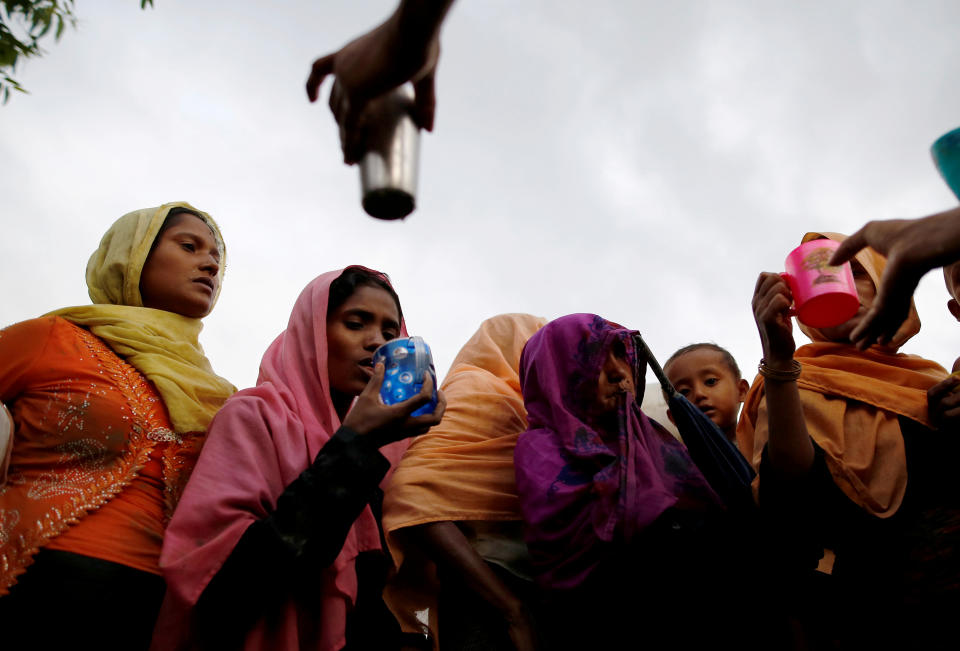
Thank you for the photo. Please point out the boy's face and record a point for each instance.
(705, 378)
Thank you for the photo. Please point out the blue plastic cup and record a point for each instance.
(405, 362)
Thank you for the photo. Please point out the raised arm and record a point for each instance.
(403, 48)
(912, 247)
(790, 449)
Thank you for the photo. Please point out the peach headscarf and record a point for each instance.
(462, 469)
(859, 432)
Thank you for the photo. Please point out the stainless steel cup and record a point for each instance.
(388, 169)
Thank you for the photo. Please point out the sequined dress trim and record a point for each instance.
(85, 479)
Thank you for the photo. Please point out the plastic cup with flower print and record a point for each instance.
(946, 156)
(405, 362)
(823, 295)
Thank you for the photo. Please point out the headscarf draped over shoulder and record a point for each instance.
(163, 346)
(258, 444)
(851, 402)
(585, 490)
(462, 469)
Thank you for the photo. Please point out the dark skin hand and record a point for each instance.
(943, 400)
(405, 47)
(912, 247)
(447, 545)
(390, 423)
(790, 449)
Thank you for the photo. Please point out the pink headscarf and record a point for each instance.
(259, 442)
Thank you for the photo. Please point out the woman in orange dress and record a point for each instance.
(109, 404)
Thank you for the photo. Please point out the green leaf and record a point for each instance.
(36, 18)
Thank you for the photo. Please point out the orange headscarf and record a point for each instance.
(462, 469)
(851, 402)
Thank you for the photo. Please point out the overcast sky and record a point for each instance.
(641, 160)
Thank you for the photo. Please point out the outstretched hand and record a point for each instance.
(397, 51)
(388, 423)
(943, 401)
(912, 247)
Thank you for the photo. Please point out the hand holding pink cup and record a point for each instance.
(823, 295)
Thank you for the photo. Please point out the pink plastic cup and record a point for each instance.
(823, 296)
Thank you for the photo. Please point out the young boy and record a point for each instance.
(710, 378)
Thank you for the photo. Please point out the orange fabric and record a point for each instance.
(462, 469)
(132, 522)
(86, 423)
(851, 401)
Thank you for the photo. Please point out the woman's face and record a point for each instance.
(616, 378)
(181, 273)
(355, 330)
(867, 292)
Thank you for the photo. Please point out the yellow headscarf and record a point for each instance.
(162, 345)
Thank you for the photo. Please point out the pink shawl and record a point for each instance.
(259, 442)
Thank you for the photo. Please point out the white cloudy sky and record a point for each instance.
(641, 160)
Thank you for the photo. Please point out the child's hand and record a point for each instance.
(771, 310)
(943, 401)
(389, 423)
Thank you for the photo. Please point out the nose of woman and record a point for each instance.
(374, 339)
(211, 265)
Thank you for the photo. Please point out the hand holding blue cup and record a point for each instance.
(406, 361)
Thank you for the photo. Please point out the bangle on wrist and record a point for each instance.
(777, 375)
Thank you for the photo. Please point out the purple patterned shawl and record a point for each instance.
(584, 490)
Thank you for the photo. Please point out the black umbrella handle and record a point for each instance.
(644, 350)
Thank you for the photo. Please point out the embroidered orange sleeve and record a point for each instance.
(86, 425)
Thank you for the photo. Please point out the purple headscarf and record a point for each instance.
(583, 488)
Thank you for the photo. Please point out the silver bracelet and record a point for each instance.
(780, 376)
